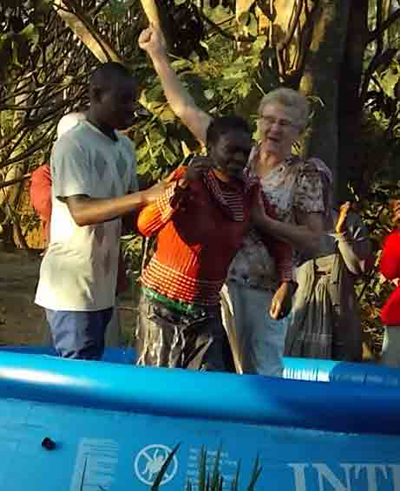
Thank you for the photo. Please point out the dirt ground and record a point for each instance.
(22, 322)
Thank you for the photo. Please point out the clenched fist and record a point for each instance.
(152, 41)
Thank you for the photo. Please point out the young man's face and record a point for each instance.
(117, 104)
(231, 152)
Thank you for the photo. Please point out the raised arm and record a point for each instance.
(353, 241)
(355, 249)
(181, 102)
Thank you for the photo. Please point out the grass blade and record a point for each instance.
(202, 469)
(215, 472)
(235, 482)
(255, 474)
(164, 468)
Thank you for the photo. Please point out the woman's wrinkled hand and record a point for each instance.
(282, 301)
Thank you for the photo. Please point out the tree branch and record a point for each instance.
(379, 30)
(10, 182)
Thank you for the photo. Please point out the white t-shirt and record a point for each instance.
(79, 269)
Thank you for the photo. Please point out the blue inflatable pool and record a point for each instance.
(96, 426)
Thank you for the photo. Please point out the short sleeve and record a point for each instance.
(70, 169)
(308, 191)
(133, 185)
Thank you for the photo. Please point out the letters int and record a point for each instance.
(349, 477)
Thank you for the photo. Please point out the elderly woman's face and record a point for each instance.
(279, 129)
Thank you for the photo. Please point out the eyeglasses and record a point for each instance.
(282, 123)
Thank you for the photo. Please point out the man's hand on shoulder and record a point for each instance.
(156, 191)
(197, 167)
(194, 171)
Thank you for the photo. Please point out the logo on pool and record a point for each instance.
(149, 461)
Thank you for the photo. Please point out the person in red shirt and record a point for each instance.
(40, 194)
(390, 315)
(199, 223)
(40, 190)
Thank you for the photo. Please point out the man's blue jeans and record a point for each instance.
(79, 334)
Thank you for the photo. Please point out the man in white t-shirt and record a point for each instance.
(94, 184)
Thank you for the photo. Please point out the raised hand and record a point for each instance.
(152, 41)
(341, 221)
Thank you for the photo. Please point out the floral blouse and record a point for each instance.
(293, 185)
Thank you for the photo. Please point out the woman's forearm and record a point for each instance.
(299, 236)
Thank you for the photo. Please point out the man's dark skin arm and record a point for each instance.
(89, 211)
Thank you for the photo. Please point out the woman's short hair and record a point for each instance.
(290, 99)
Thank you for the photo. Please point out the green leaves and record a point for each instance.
(30, 33)
(213, 481)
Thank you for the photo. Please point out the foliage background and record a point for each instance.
(228, 53)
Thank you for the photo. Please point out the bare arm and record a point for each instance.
(304, 237)
(181, 102)
(356, 253)
(88, 211)
(353, 242)
(311, 227)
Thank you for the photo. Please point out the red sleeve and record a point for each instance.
(153, 217)
(390, 258)
(40, 191)
(283, 255)
(281, 251)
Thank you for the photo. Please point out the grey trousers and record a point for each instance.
(196, 341)
(257, 340)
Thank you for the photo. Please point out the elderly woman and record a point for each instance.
(324, 322)
(293, 188)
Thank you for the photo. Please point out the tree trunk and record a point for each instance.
(350, 107)
(321, 79)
